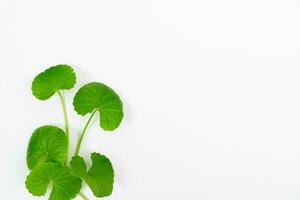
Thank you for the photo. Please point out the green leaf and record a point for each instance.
(47, 144)
(51, 80)
(65, 186)
(78, 166)
(100, 177)
(97, 96)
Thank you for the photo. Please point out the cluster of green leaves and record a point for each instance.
(47, 153)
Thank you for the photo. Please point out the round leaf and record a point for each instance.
(51, 80)
(65, 186)
(78, 166)
(47, 144)
(97, 96)
(100, 177)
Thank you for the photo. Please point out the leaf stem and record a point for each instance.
(63, 104)
(83, 196)
(83, 132)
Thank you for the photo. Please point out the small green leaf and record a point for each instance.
(100, 177)
(47, 144)
(78, 166)
(65, 186)
(51, 80)
(97, 96)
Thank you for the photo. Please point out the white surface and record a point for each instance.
(210, 88)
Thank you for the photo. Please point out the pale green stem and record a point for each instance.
(62, 99)
(83, 132)
(67, 129)
(83, 196)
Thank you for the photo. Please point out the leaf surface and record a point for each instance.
(65, 186)
(100, 177)
(97, 96)
(47, 144)
(51, 80)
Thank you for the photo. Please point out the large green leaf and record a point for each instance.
(53, 79)
(100, 177)
(65, 186)
(99, 97)
(47, 144)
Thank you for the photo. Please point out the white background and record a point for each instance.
(210, 90)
